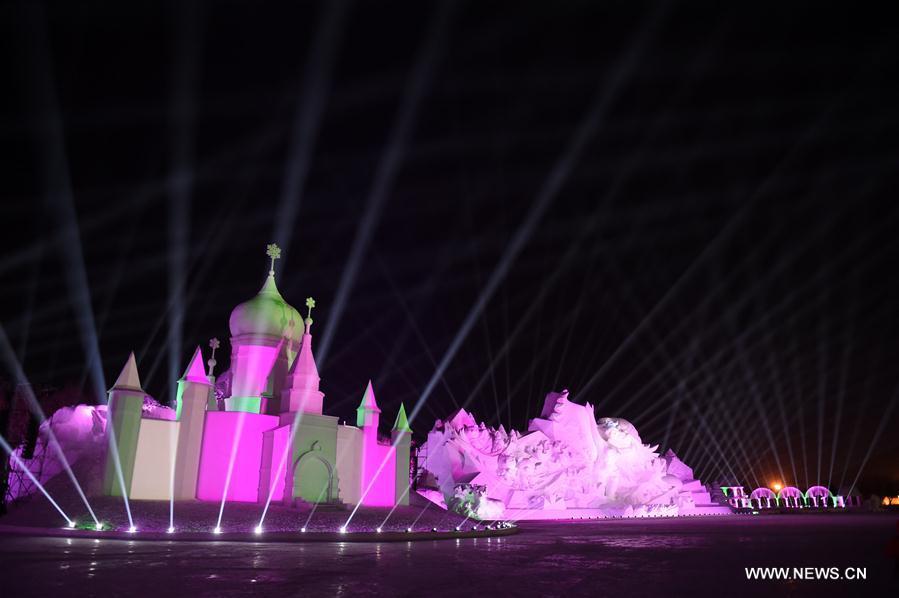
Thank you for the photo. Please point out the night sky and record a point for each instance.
(685, 213)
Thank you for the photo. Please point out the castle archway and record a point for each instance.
(313, 478)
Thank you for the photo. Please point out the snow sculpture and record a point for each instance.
(567, 465)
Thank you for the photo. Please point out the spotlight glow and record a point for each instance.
(303, 530)
(343, 530)
(99, 527)
(171, 530)
(379, 530)
(217, 530)
(132, 530)
(258, 530)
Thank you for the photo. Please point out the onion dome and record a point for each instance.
(267, 314)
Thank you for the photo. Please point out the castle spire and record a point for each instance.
(128, 378)
(368, 409)
(301, 390)
(402, 423)
(194, 371)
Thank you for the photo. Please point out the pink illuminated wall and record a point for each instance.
(282, 435)
(381, 490)
(222, 430)
(253, 363)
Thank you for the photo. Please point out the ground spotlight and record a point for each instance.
(132, 529)
(99, 527)
(379, 530)
(217, 530)
(409, 530)
(343, 530)
(258, 530)
(171, 530)
(71, 525)
(303, 530)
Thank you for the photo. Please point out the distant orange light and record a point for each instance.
(776, 487)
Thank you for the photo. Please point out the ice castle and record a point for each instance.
(258, 431)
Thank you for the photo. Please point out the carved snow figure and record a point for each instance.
(567, 465)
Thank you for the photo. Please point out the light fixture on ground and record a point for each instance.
(258, 530)
(217, 530)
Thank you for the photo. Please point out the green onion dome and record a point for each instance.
(267, 314)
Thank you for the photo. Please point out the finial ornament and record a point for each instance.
(274, 252)
(214, 344)
(310, 303)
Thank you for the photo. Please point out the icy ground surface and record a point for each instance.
(673, 557)
(195, 516)
(237, 517)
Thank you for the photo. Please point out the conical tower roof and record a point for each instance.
(128, 378)
(303, 371)
(402, 424)
(367, 406)
(368, 400)
(195, 372)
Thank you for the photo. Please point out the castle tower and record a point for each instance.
(265, 333)
(367, 418)
(126, 401)
(193, 396)
(301, 392)
(402, 442)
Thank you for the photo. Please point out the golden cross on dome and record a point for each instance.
(310, 303)
(274, 252)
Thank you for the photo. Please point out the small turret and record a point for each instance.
(402, 441)
(194, 390)
(301, 391)
(402, 424)
(126, 401)
(368, 413)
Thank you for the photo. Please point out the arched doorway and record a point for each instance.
(313, 478)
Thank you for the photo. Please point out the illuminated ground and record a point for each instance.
(675, 557)
(202, 517)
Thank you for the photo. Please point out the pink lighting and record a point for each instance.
(220, 432)
(251, 378)
(378, 476)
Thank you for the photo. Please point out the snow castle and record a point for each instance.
(258, 432)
